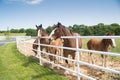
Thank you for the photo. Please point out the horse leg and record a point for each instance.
(105, 61)
(52, 60)
(66, 63)
(80, 56)
(90, 58)
(57, 59)
(74, 63)
(61, 54)
(58, 53)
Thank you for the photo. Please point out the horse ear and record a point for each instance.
(107, 34)
(40, 26)
(59, 24)
(54, 26)
(36, 26)
(113, 34)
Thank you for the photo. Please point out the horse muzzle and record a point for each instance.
(50, 39)
(113, 46)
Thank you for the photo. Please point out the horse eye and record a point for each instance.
(57, 31)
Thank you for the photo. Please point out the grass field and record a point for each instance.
(13, 34)
(15, 66)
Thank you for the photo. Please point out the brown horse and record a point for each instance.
(60, 30)
(100, 45)
(57, 51)
(41, 32)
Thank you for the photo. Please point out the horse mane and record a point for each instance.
(66, 31)
(45, 33)
(71, 32)
(105, 42)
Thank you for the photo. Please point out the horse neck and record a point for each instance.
(44, 40)
(105, 44)
(68, 42)
(45, 34)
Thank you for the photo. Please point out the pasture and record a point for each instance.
(113, 61)
(15, 66)
(13, 34)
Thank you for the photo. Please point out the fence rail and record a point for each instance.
(79, 74)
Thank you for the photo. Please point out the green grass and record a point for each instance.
(15, 66)
(116, 50)
(13, 34)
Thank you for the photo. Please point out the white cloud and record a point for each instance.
(30, 2)
(33, 1)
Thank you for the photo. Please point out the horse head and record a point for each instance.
(111, 41)
(40, 30)
(57, 32)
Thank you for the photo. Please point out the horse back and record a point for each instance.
(94, 44)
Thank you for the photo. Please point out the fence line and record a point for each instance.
(77, 53)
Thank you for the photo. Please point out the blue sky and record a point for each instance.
(28, 13)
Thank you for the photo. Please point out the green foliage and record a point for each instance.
(84, 30)
(49, 29)
(22, 30)
(14, 31)
(99, 29)
(31, 32)
(15, 66)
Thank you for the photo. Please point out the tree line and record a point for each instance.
(84, 30)
(99, 29)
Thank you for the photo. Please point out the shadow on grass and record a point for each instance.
(31, 59)
(44, 76)
(43, 72)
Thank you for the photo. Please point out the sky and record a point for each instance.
(28, 13)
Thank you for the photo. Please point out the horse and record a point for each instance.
(60, 30)
(40, 32)
(101, 45)
(58, 51)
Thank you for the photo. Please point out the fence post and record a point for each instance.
(24, 47)
(38, 52)
(77, 56)
(17, 42)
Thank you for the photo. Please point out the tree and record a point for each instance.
(21, 30)
(49, 29)
(31, 32)
(14, 31)
(114, 24)
(117, 31)
(70, 28)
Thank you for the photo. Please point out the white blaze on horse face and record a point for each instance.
(39, 33)
(50, 37)
(113, 41)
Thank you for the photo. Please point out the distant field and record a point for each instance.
(13, 34)
(15, 66)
